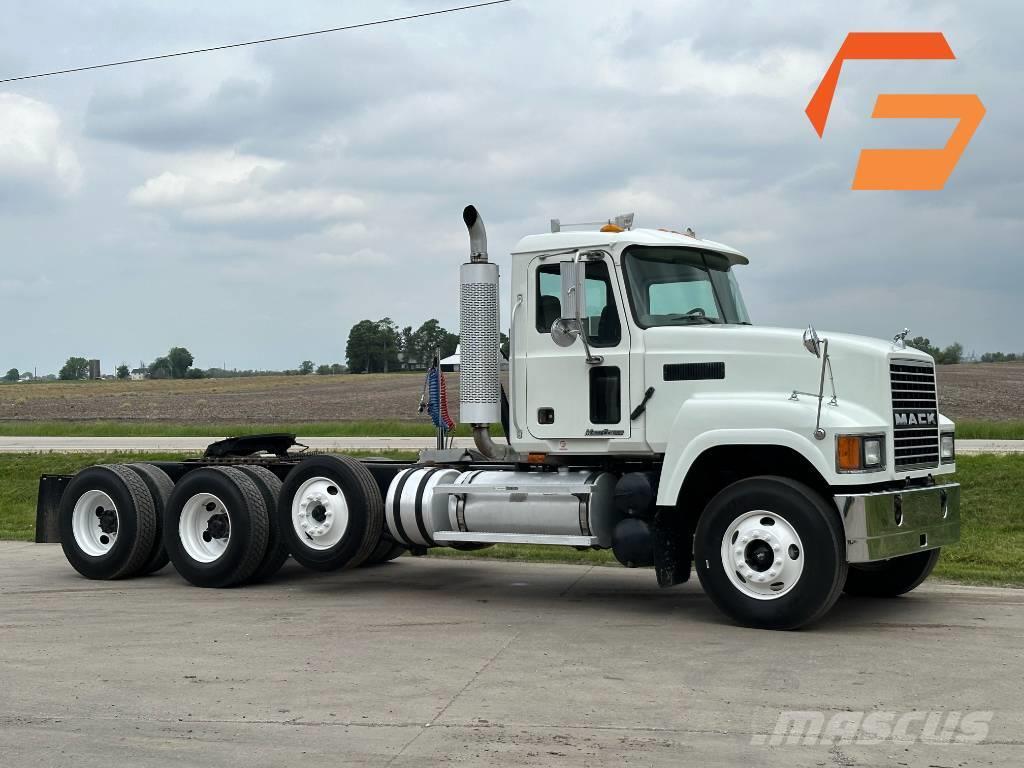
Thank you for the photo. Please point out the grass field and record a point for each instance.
(988, 553)
(990, 430)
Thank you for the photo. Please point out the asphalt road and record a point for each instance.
(185, 444)
(428, 662)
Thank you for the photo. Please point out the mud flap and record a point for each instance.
(673, 550)
(51, 488)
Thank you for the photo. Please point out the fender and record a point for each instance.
(704, 423)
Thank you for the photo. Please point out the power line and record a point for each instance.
(376, 23)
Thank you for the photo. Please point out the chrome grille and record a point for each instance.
(915, 414)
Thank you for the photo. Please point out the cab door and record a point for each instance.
(567, 397)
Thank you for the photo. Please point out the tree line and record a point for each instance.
(951, 355)
(381, 346)
(954, 353)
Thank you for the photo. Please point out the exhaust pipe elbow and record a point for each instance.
(492, 450)
(477, 235)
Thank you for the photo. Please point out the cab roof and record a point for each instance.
(564, 241)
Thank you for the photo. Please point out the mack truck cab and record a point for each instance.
(645, 414)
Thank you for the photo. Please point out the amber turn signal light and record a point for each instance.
(848, 453)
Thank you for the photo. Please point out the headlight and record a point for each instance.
(947, 448)
(860, 453)
(872, 452)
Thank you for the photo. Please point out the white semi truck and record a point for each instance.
(645, 414)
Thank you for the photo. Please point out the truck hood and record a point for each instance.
(768, 340)
(771, 363)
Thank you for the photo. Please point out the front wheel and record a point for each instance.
(770, 553)
(890, 578)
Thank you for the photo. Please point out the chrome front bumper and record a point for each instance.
(889, 524)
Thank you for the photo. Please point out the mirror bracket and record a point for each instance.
(818, 347)
(566, 329)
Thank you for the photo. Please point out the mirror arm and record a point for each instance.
(592, 359)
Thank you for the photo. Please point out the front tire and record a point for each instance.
(891, 578)
(770, 553)
(331, 513)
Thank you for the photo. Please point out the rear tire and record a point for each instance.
(107, 522)
(160, 488)
(890, 578)
(770, 553)
(216, 526)
(277, 553)
(331, 513)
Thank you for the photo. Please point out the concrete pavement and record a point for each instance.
(435, 662)
(339, 444)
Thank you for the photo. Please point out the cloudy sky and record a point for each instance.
(253, 204)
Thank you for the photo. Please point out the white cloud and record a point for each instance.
(364, 257)
(34, 152)
(229, 188)
(313, 205)
(201, 179)
(678, 68)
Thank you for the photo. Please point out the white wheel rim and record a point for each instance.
(319, 513)
(762, 555)
(94, 523)
(204, 528)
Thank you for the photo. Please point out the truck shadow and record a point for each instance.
(614, 591)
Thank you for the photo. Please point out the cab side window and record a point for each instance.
(602, 316)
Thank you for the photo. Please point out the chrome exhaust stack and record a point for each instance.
(480, 342)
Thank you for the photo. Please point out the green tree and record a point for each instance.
(306, 367)
(431, 337)
(1001, 357)
(180, 360)
(450, 344)
(323, 370)
(362, 349)
(924, 344)
(388, 337)
(951, 355)
(12, 375)
(123, 372)
(337, 369)
(407, 344)
(161, 369)
(74, 369)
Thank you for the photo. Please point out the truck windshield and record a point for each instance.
(681, 286)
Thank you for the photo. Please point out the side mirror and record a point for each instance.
(563, 332)
(812, 342)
